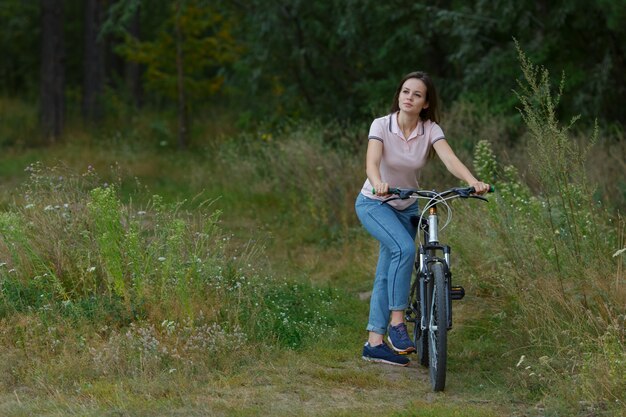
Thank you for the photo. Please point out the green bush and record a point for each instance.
(550, 261)
(138, 290)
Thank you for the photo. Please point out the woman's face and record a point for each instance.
(412, 98)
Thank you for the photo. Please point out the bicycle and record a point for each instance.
(431, 294)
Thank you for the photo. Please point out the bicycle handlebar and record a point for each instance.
(463, 192)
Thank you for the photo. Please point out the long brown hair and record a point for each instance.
(432, 111)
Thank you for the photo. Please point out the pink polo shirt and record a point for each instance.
(403, 159)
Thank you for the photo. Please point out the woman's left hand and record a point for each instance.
(480, 187)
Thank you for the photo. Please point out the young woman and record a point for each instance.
(397, 150)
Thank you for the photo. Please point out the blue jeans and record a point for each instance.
(396, 235)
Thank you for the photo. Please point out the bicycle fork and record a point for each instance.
(425, 277)
(427, 255)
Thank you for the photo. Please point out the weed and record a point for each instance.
(552, 263)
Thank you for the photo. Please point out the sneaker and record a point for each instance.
(399, 339)
(382, 353)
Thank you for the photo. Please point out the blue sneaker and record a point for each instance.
(399, 339)
(382, 353)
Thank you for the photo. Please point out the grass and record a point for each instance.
(241, 288)
(86, 358)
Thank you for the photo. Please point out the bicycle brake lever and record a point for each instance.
(480, 197)
(405, 194)
(463, 192)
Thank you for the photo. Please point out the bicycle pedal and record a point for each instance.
(457, 292)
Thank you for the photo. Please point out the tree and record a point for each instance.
(52, 103)
(20, 39)
(93, 79)
(123, 24)
(132, 70)
(309, 56)
(185, 60)
(183, 121)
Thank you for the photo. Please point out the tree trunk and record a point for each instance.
(93, 81)
(182, 105)
(52, 77)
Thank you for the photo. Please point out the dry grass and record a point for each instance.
(290, 384)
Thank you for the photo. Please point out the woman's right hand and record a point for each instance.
(381, 188)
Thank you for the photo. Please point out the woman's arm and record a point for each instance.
(372, 166)
(456, 167)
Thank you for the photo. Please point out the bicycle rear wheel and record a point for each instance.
(438, 329)
(420, 337)
(421, 343)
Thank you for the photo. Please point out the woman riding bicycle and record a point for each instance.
(397, 150)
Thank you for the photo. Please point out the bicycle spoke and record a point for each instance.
(438, 328)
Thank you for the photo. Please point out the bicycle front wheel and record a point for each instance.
(438, 328)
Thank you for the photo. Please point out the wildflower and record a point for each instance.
(619, 252)
(91, 269)
(161, 258)
(29, 206)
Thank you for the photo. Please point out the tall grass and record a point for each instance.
(311, 173)
(91, 286)
(95, 286)
(552, 260)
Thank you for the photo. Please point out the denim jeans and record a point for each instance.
(396, 235)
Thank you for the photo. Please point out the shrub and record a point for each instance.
(130, 289)
(551, 260)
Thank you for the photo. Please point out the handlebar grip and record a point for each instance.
(391, 190)
(491, 189)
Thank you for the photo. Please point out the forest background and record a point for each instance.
(178, 177)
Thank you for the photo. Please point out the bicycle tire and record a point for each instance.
(438, 329)
(420, 337)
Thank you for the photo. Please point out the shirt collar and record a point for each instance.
(395, 128)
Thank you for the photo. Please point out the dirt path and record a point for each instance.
(296, 385)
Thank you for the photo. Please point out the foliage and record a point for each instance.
(553, 260)
(459, 43)
(18, 121)
(207, 47)
(19, 33)
(73, 249)
(324, 209)
(300, 59)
